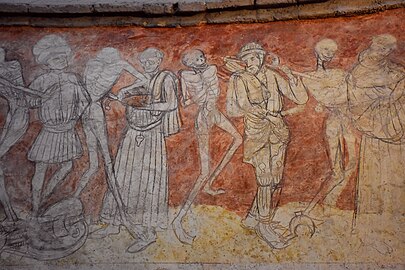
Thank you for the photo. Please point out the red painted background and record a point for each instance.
(307, 161)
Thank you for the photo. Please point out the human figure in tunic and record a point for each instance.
(258, 92)
(377, 105)
(16, 121)
(329, 88)
(58, 142)
(100, 75)
(141, 162)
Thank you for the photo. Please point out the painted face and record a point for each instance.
(109, 55)
(199, 59)
(379, 51)
(57, 62)
(326, 53)
(253, 62)
(150, 64)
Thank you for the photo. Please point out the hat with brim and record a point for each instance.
(49, 47)
(44, 57)
(251, 48)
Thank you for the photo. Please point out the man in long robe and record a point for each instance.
(259, 92)
(141, 162)
(377, 105)
(100, 76)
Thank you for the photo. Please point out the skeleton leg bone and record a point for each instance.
(181, 234)
(10, 214)
(57, 178)
(227, 126)
(14, 128)
(336, 154)
(96, 137)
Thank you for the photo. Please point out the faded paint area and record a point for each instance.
(292, 41)
(221, 239)
(216, 219)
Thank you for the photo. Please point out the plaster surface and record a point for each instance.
(327, 172)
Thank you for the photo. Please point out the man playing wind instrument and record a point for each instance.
(256, 92)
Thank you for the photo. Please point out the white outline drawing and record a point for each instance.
(377, 105)
(16, 121)
(256, 92)
(329, 88)
(100, 75)
(60, 229)
(200, 86)
(141, 162)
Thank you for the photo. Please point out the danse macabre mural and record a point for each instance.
(262, 143)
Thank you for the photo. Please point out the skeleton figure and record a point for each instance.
(16, 121)
(200, 86)
(329, 88)
(100, 75)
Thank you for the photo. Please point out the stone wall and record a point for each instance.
(174, 13)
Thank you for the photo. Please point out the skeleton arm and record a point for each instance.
(24, 90)
(296, 109)
(141, 79)
(293, 90)
(132, 89)
(136, 86)
(186, 100)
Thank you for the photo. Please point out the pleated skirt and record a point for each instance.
(141, 173)
(55, 147)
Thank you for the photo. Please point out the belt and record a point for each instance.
(60, 128)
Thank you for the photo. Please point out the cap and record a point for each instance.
(252, 47)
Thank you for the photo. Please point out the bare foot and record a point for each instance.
(379, 245)
(180, 233)
(140, 245)
(213, 192)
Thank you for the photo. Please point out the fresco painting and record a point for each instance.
(280, 142)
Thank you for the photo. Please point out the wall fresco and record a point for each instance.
(221, 144)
